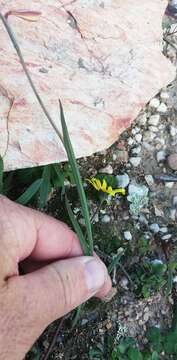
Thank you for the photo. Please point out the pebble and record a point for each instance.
(173, 131)
(172, 161)
(173, 214)
(149, 179)
(146, 317)
(154, 103)
(169, 185)
(154, 129)
(166, 237)
(142, 119)
(124, 282)
(154, 120)
(161, 155)
(154, 228)
(127, 235)
(138, 138)
(174, 201)
(107, 170)
(136, 150)
(122, 156)
(164, 230)
(164, 96)
(106, 219)
(162, 108)
(135, 161)
(148, 136)
(123, 180)
(130, 141)
(143, 220)
(114, 157)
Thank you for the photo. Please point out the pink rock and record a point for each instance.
(102, 58)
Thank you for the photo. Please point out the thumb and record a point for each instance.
(49, 293)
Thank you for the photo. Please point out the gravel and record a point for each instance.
(172, 161)
(135, 161)
(127, 235)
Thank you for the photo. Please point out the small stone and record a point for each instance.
(143, 220)
(154, 228)
(127, 235)
(172, 161)
(175, 279)
(173, 214)
(154, 129)
(169, 185)
(138, 138)
(164, 230)
(150, 180)
(109, 325)
(148, 136)
(136, 150)
(142, 119)
(154, 120)
(161, 155)
(135, 161)
(122, 156)
(130, 141)
(166, 237)
(164, 96)
(84, 322)
(114, 157)
(174, 201)
(154, 103)
(146, 317)
(173, 131)
(107, 170)
(124, 282)
(162, 108)
(106, 219)
(123, 180)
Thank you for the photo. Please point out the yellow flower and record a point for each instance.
(103, 186)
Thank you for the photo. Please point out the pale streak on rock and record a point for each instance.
(102, 58)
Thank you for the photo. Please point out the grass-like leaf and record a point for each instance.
(1, 174)
(30, 192)
(77, 228)
(78, 181)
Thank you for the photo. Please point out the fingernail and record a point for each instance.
(95, 275)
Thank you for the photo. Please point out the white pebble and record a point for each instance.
(142, 119)
(106, 219)
(164, 96)
(154, 228)
(161, 155)
(169, 185)
(114, 157)
(136, 150)
(138, 138)
(123, 180)
(153, 129)
(162, 108)
(149, 179)
(107, 170)
(164, 230)
(173, 214)
(127, 235)
(130, 141)
(166, 237)
(173, 131)
(154, 120)
(135, 161)
(154, 103)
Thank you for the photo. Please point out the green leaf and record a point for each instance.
(155, 338)
(155, 355)
(125, 344)
(76, 227)
(169, 281)
(1, 174)
(134, 354)
(60, 175)
(78, 181)
(30, 192)
(45, 187)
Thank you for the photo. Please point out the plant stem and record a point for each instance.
(19, 53)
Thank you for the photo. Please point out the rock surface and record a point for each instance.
(101, 58)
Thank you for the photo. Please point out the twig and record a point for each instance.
(19, 53)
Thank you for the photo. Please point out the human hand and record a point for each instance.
(52, 287)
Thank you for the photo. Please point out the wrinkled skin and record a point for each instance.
(57, 277)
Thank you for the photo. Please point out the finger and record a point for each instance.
(53, 291)
(35, 234)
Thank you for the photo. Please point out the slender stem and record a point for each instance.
(19, 53)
